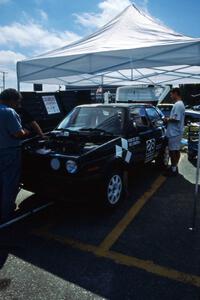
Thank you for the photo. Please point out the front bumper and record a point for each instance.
(39, 177)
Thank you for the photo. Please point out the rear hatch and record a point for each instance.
(142, 93)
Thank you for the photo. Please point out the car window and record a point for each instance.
(107, 118)
(154, 116)
(138, 115)
(160, 112)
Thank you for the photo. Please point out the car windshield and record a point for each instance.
(102, 119)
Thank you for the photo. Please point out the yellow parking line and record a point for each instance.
(148, 266)
(67, 241)
(129, 217)
(153, 268)
(104, 252)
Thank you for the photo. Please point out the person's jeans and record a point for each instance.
(10, 166)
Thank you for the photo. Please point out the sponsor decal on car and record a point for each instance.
(134, 141)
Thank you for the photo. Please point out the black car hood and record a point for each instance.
(71, 145)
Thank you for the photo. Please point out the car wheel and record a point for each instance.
(114, 189)
(162, 161)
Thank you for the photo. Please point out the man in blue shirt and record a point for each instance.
(11, 132)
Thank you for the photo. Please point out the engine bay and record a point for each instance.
(64, 143)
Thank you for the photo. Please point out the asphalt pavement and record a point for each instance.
(141, 250)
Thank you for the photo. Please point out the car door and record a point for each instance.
(139, 130)
(155, 140)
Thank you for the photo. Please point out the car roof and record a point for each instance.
(122, 105)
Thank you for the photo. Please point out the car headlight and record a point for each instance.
(71, 166)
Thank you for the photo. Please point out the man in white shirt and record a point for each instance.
(175, 129)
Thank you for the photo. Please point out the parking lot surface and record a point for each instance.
(141, 250)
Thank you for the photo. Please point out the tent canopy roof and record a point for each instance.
(121, 51)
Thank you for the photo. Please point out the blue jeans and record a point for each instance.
(10, 167)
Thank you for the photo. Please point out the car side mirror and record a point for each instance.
(132, 127)
(157, 123)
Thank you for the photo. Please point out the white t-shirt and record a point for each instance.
(177, 113)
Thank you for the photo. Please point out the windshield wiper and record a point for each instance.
(65, 132)
(66, 129)
(96, 130)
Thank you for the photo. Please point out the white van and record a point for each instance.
(142, 93)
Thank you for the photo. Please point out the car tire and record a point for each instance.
(162, 160)
(114, 189)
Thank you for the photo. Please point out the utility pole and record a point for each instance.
(3, 80)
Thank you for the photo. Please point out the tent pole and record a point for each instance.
(102, 78)
(193, 225)
(131, 67)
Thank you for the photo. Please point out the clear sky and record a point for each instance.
(30, 27)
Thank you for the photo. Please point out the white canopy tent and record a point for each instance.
(133, 47)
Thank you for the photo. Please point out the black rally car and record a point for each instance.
(92, 148)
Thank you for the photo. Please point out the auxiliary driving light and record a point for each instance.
(71, 166)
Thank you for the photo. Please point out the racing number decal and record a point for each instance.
(150, 149)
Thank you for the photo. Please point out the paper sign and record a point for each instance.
(51, 104)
